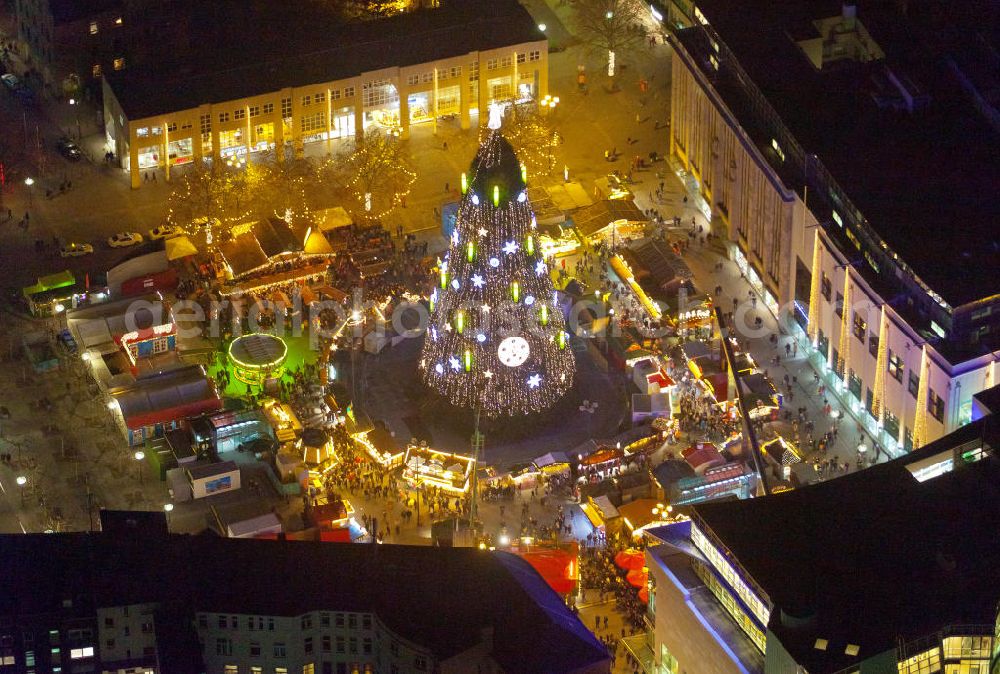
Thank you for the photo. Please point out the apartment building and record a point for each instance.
(147, 602)
(890, 569)
(310, 78)
(70, 44)
(846, 166)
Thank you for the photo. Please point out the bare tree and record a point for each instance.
(216, 193)
(611, 26)
(533, 135)
(374, 177)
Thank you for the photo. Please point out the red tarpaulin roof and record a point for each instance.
(637, 577)
(630, 559)
(557, 567)
(336, 536)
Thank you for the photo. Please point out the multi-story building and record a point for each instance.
(149, 602)
(65, 39)
(890, 569)
(847, 156)
(259, 78)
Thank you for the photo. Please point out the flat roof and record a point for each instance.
(242, 48)
(441, 598)
(874, 556)
(927, 180)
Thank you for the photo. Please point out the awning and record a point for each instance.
(317, 244)
(180, 246)
(332, 218)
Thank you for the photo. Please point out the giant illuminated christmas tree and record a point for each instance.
(497, 342)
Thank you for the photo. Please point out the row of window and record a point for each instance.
(894, 362)
(506, 61)
(726, 570)
(328, 644)
(320, 97)
(256, 623)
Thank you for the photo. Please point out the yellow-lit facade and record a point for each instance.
(392, 99)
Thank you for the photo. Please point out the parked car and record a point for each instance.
(10, 81)
(69, 149)
(76, 249)
(164, 232)
(124, 239)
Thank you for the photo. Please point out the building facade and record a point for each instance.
(457, 82)
(784, 595)
(905, 359)
(136, 600)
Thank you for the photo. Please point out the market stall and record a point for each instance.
(282, 419)
(424, 466)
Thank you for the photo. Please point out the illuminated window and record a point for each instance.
(96, 70)
(966, 647)
(895, 366)
(922, 663)
(379, 93)
(157, 130)
(93, 28)
(205, 121)
(891, 422)
(79, 653)
(732, 606)
(726, 570)
(118, 21)
(314, 122)
(120, 63)
(860, 326)
(142, 131)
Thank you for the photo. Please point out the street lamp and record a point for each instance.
(139, 456)
(167, 509)
(21, 481)
(29, 181)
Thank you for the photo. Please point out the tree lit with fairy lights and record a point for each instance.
(497, 341)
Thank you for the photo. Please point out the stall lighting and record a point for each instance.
(529, 245)
(470, 251)
(515, 290)
(496, 196)
(468, 360)
(465, 183)
(544, 314)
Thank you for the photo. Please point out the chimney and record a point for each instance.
(849, 12)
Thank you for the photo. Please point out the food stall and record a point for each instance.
(424, 466)
(282, 419)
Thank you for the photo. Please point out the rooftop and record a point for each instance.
(68, 11)
(925, 179)
(533, 630)
(216, 65)
(873, 557)
(167, 396)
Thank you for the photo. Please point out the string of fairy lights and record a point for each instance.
(497, 341)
